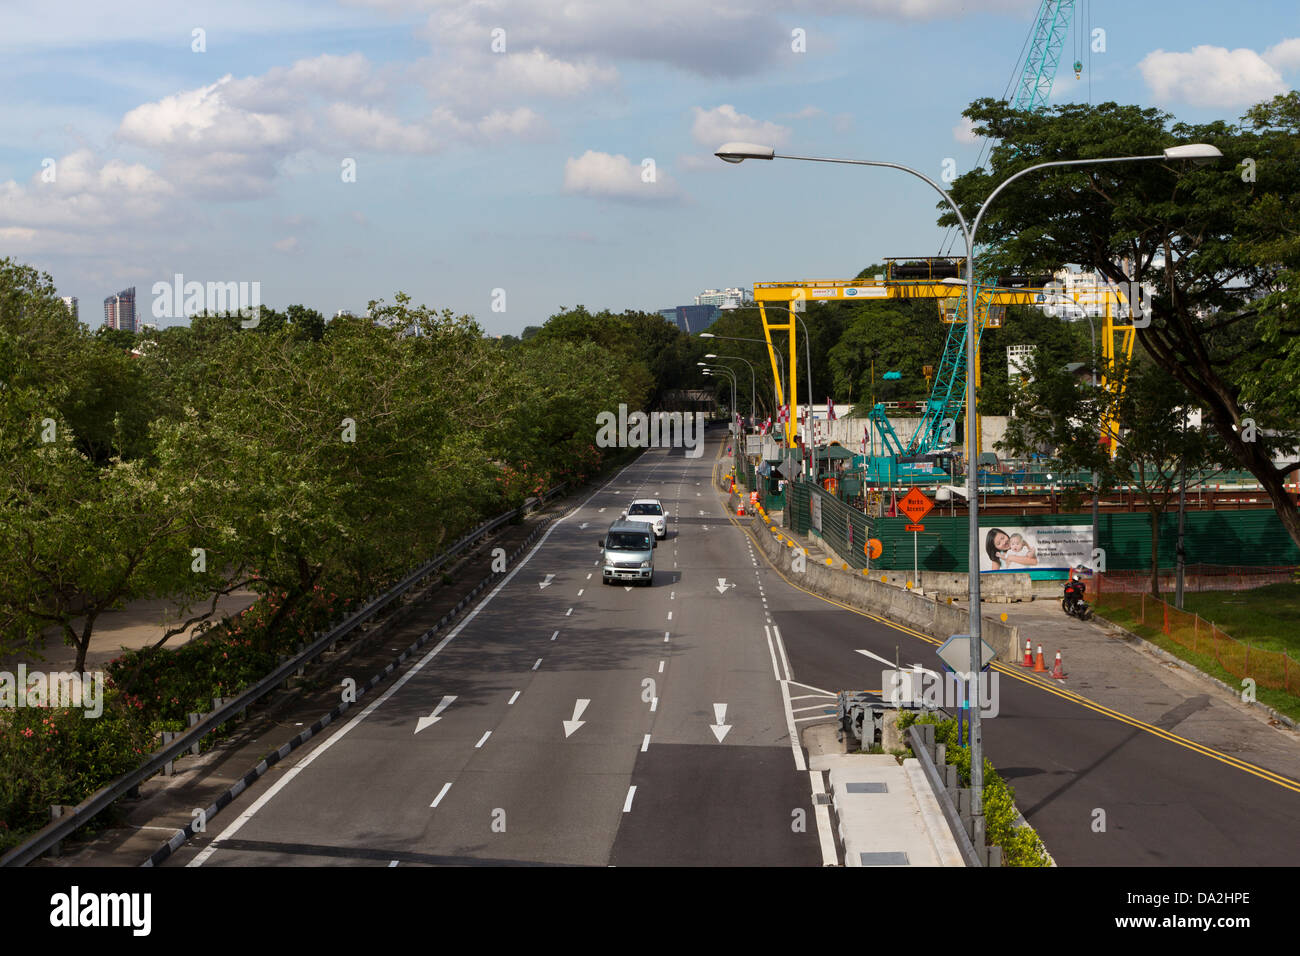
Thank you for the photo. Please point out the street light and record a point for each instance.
(709, 370)
(807, 345)
(1198, 153)
(737, 338)
(753, 405)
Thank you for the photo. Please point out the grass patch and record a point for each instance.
(1261, 617)
(1279, 700)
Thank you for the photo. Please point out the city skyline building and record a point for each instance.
(119, 311)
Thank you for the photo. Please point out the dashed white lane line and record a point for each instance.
(666, 637)
(627, 804)
(483, 740)
(645, 743)
(661, 667)
(441, 793)
(392, 864)
(555, 635)
(537, 664)
(588, 575)
(654, 704)
(580, 590)
(670, 614)
(513, 697)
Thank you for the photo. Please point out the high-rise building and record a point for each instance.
(71, 302)
(691, 318)
(721, 297)
(119, 310)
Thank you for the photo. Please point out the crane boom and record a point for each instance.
(1039, 74)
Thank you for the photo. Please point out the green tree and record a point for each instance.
(1213, 241)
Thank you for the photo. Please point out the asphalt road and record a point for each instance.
(577, 723)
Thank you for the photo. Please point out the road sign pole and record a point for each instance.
(916, 574)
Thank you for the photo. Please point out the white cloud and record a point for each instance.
(361, 125)
(1284, 55)
(964, 132)
(1211, 76)
(723, 124)
(289, 244)
(607, 176)
(808, 112)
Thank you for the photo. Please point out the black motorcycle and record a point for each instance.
(1073, 603)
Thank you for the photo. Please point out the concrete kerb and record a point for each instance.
(852, 587)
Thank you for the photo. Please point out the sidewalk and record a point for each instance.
(139, 624)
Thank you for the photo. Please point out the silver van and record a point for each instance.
(628, 547)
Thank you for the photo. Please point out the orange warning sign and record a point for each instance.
(915, 505)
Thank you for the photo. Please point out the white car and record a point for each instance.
(649, 511)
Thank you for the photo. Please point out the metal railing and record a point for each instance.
(76, 817)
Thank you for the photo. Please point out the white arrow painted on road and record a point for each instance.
(434, 718)
(718, 727)
(723, 585)
(546, 580)
(627, 587)
(578, 707)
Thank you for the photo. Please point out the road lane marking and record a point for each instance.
(776, 671)
(1013, 673)
(483, 740)
(665, 637)
(627, 804)
(661, 667)
(670, 615)
(537, 663)
(568, 612)
(799, 763)
(555, 635)
(780, 646)
(580, 590)
(441, 793)
(513, 697)
(645, 743)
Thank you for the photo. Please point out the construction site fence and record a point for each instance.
(1272, 669)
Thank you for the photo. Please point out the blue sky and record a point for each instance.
(522, 169)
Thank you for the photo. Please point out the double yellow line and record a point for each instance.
(1012, 671)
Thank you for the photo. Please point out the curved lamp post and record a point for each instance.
(1199, 153)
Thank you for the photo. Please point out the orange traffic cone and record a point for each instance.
(1029, 657)
(1058, 670)
(1040, 667)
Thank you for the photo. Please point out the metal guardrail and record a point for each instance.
(76, 817)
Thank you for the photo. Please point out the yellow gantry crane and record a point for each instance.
(925, 279)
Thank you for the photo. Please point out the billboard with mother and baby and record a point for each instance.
(1035, 548)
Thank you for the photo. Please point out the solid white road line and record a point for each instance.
(799, 762)
(441, 793)
(776, 672)
(780, 646)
